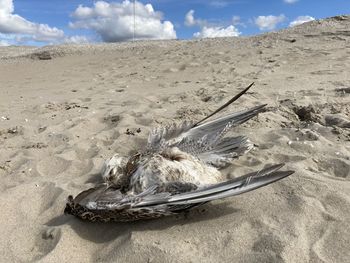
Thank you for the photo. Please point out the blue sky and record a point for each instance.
(40, 22)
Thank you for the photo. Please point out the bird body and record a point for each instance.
(178, 170)
(170, 166)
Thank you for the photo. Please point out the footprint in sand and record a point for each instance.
(56, 140)
(107, 137)
(51, 193)
(112, 119)
(283, 158)
(336, 167)
(330, 247)
(86, 100)
(143, 121)
(52, 166)
(86, 150)
(39, 243)
(269, 244)
(48, 240)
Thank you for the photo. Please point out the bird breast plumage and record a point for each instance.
(172, 165)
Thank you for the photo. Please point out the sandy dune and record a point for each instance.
(64, 109)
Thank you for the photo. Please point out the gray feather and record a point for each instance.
(226, 151)
(216, 129)
(232, 187)
(159, 137)
(205, 138)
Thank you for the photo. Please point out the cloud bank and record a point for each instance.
(11, 23)
(15, 29)
(269, 22)
(208, 31)
(114, 22)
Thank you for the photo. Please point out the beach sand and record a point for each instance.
(65, 109)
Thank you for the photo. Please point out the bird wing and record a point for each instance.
(207, 142)
(101, 204)
(159, 137)
(205, 139)
(223, 153)
(171, 135)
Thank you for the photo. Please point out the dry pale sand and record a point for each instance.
(63, 115)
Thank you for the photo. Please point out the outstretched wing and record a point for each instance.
(173, 134)
(101, 204)
(205, 139)
(207, 142)
(159, 137)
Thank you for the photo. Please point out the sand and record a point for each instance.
(64, 109)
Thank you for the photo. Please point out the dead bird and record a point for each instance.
(178, 170)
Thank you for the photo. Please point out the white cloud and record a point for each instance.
(76, 40)
(269, 22)
(290, 1)
(300, 20)
(115, 22)
(189, 18)
(11, 23)
(6, 7)
(191, 21)
(210, 32)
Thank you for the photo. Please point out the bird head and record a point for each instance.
(113, 171)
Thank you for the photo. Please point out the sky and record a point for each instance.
(46, 22)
